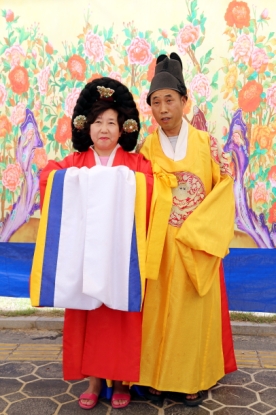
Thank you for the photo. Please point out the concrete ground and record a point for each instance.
(31, 376)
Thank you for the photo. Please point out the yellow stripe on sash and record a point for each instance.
(140, 220)
(36, 273)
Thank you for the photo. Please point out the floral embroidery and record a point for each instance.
(220, 157)
(187, 196)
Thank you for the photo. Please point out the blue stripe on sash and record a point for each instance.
(52, 240)
(134, 295)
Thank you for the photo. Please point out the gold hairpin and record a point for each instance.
(130, 126)
(105, 93)
(79, 122)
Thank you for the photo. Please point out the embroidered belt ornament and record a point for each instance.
(79, 122)
(130, 126)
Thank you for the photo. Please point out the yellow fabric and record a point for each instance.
(140, 221)
(181, 343)
(159, 215)
(36, 273)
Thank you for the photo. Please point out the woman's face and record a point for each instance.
(105, 132)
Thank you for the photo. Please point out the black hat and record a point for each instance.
(168, 75)
(118, 97)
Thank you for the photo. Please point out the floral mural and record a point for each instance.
(40, 83)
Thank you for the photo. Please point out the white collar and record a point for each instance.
(181, 145)
(111, 157)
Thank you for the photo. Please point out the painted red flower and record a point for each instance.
(238, 14)
(49, 48)
(272, 213)
(151, 70)
(77, 67)
(40, 158)
(64, 131)
(19, 79)
(5, 125)
(9, 16)
(250, 96)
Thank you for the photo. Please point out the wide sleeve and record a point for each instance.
(52, 165)
(204, 237)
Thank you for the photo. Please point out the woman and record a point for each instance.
(103, 343)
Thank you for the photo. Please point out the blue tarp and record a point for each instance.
(250, 275)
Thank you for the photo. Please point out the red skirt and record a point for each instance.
(104, 343)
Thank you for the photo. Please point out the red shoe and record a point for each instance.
(118, 397)
(89, 396)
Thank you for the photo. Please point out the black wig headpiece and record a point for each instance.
(121, 101)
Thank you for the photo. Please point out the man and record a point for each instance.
(187, 344)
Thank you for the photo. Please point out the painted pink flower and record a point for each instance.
(11, 176)
(71, 100)
(93, 47)
(115, 75)
(243, 48)
(264, 14)
(260, 193)
(271, 96)
(14, 54)
(259, 60)
(143, 105)
(18, 114)
(43, 78)
(3, 94)
(34, 53)
(40, 158)
(9, 15)
(201, 85)
(139, 52)
(186, 36)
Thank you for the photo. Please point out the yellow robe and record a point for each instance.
(182, 331)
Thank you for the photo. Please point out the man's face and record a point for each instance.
(167, 108)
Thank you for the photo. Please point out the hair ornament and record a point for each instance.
(105, 93)
(79, 122)
(130, 126)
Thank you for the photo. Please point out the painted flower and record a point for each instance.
(153, 125)
(238, 14)
(71, 100)
(5, 125)
(200, 84)
(264, 14)
(151, 70)
(250, 96)
(115, 75)
(11, 176)
(272, 176)
(37, 105)
(14, 54)
(94, 76)
(18, 114)
(40, 158)
(231, 78)
(19, 79)
(243, 48)
(260, 193)
(139, 52)
(64, 131)
(186, 36)
(263, 136)
(43, 78)
(34, 53)
(77, 67)
(272, 213)
(143, 105)
(9, 15)
(271, 96)
(49, 48)
(259, 60)
(188, 106)
(93, 47)
(3, 94)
